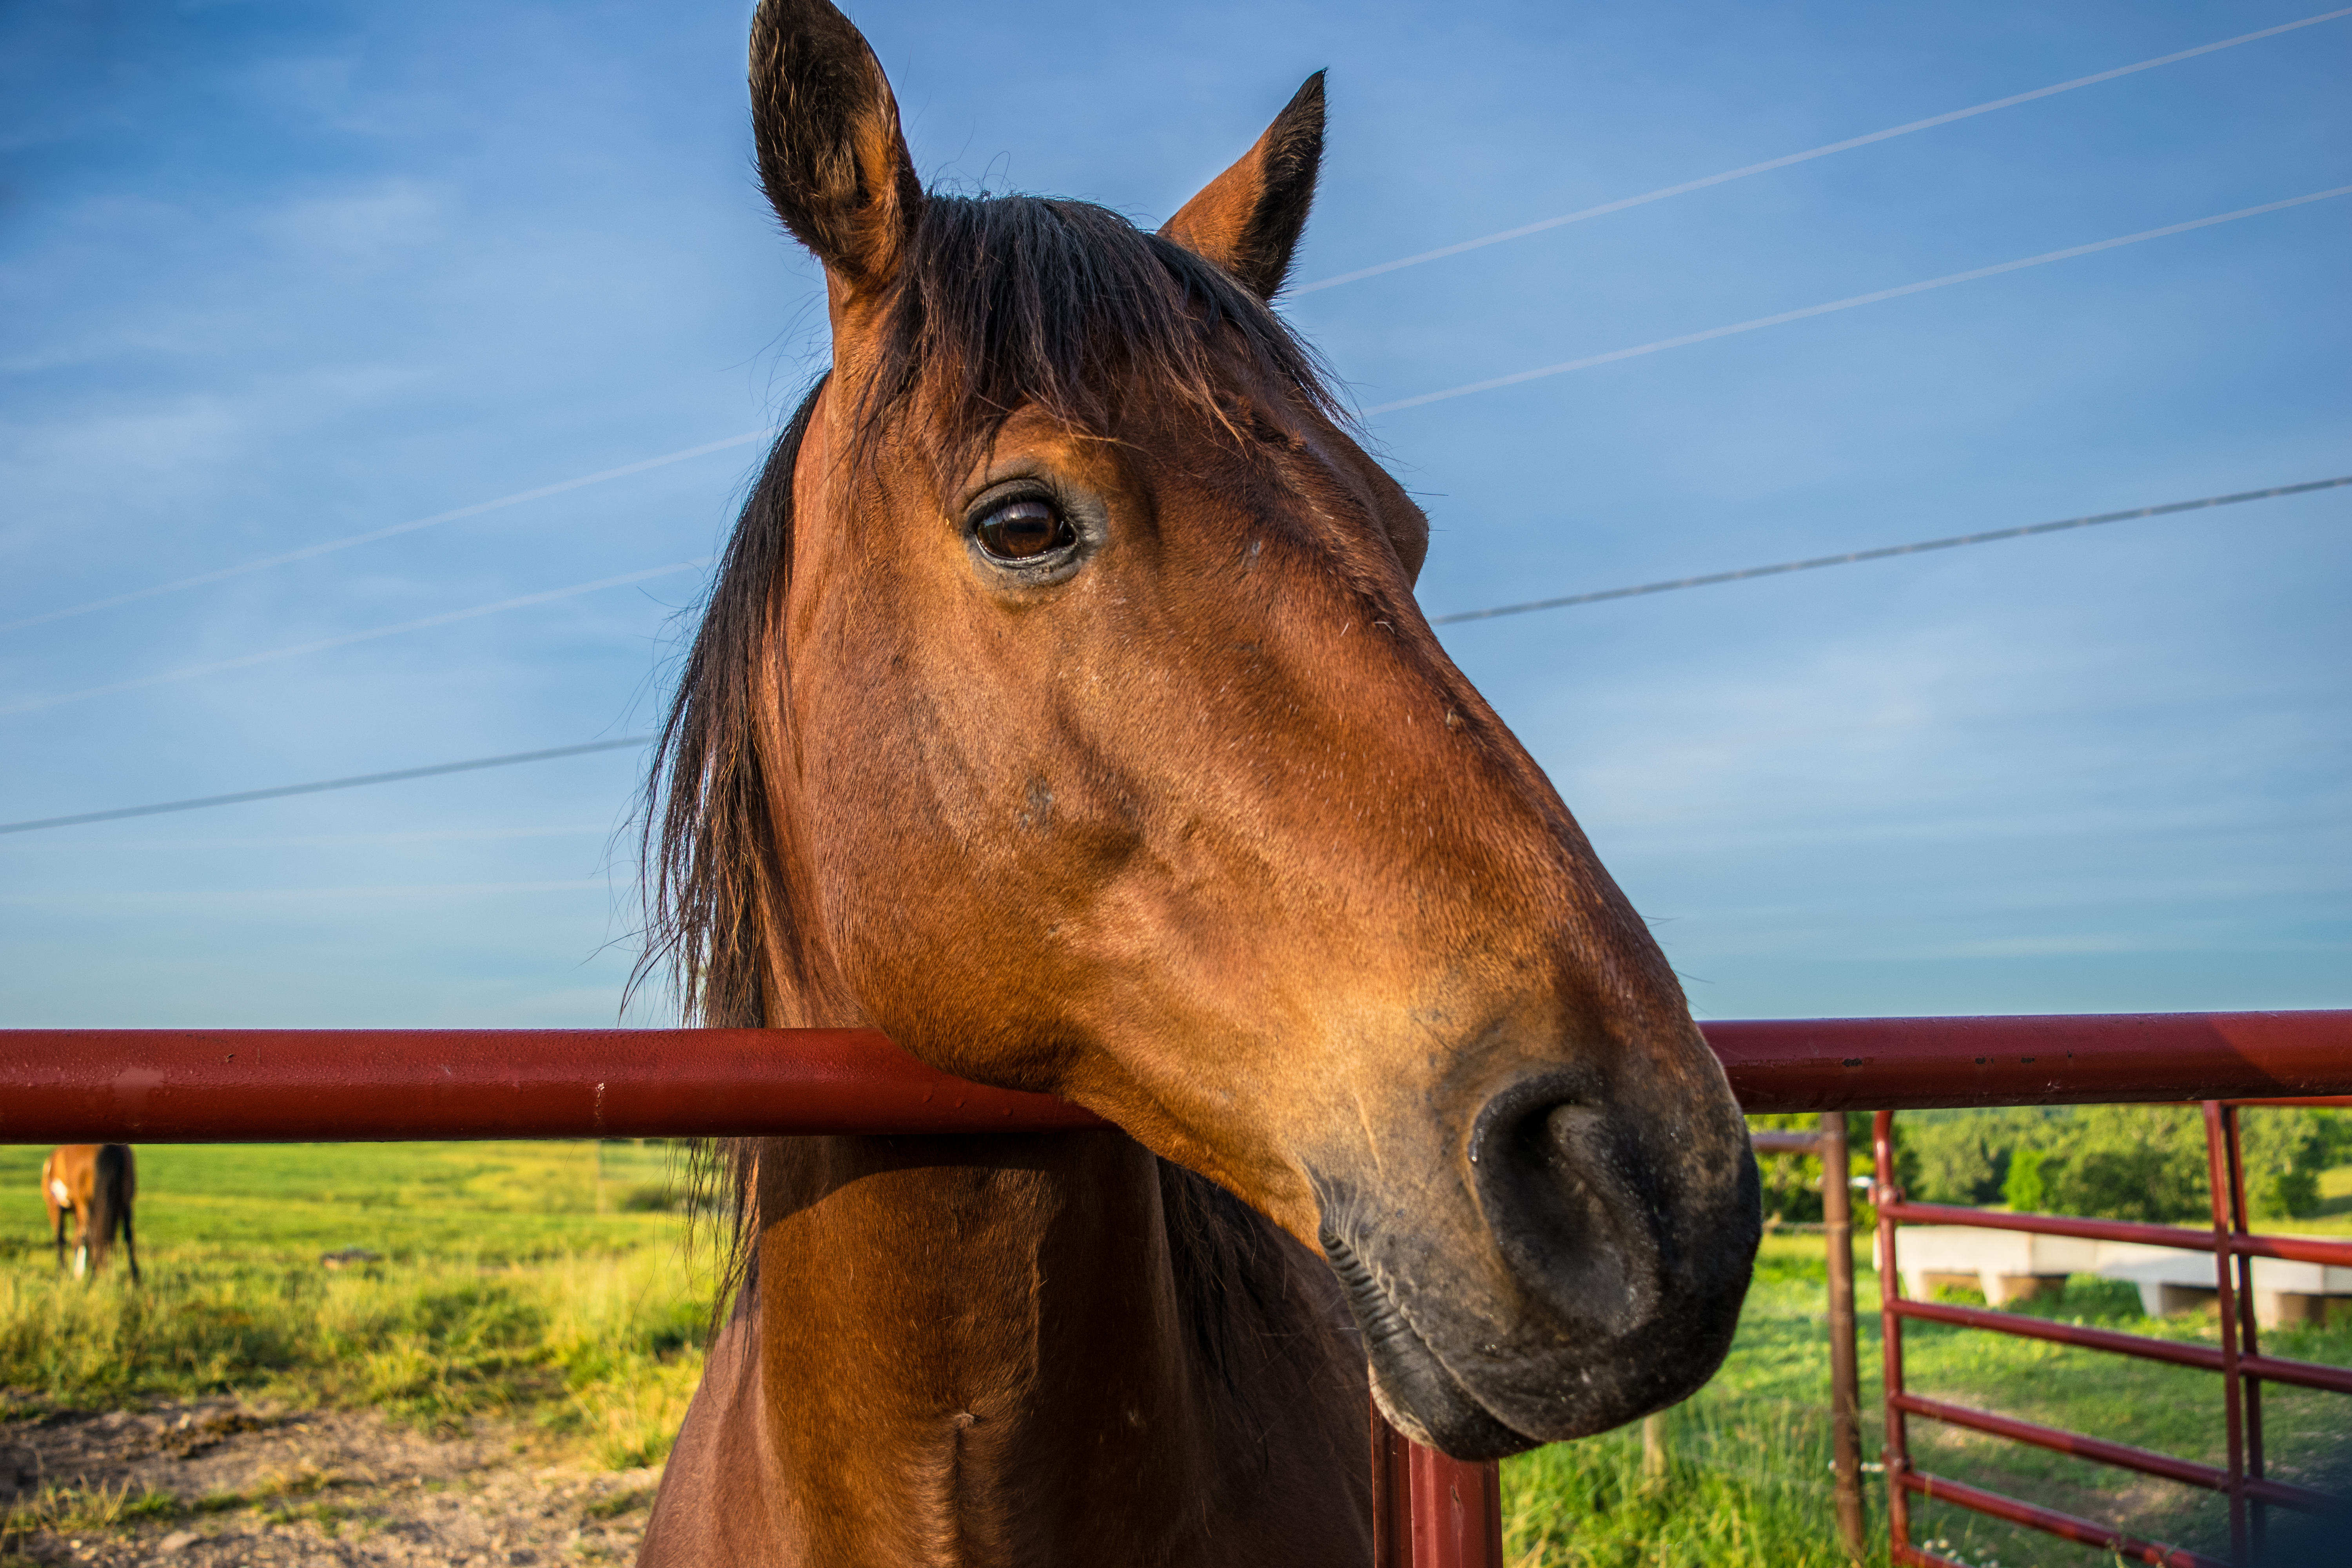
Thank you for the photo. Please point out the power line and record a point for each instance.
(329, 546)
(1885, 552)
(1770, 163)
(471, 764)
(346, 640)
(348, 541)
(1849, 303)
(512, 758)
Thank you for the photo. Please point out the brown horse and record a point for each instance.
(95, 1184)
(1063, 709)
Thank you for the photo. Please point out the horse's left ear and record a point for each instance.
(1247, 220)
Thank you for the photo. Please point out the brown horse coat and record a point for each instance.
(95, 1184)
(1063, 708)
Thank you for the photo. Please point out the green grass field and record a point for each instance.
(516, 1281)
(1747, 1483)
(512, 1280)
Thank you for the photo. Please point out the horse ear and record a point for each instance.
(832, 157)
(1247, 220)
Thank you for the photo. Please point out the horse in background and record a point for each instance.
(95, 1182)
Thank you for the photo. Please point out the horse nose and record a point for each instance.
(1574, 1207)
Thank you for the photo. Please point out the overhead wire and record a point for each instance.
(1623, 203)
(396, 775)
(1884, 552)
(1706, 580)
(422, 623)
(1850, 303)
(1490, 384)
(328, 547)
(602, 476)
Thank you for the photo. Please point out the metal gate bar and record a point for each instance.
(164, 1086)
(2237, 1359)
(2309, 1374)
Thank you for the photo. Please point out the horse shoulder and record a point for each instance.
(716, 1504)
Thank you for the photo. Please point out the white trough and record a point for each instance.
(2011, 1265)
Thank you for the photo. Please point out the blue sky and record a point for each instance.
(273, 275)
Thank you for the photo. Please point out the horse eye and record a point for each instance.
(1024, 530)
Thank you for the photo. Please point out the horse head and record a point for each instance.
(1064, 710)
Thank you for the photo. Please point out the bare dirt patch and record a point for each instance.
(215, 1482)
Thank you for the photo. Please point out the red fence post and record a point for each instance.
(2218, 1135)
(2237, 1359)
(1430, 1511)
(1897, 1454)
(1457, 1511)
(2248, 1344)
(1845, 1378)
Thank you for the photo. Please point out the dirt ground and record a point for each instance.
(216, 1483)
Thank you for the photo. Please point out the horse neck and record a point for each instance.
(974, 1351)
(971, 1346)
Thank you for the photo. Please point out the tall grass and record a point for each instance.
(606, 1349)
(1747, 1484)
(531, 1281)
(543, 1283)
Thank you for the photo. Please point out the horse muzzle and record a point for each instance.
(1591, 1268)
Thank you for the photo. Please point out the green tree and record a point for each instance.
(2111, 1162)
(1793, 1182)
(1963, 1161)
(2284, 1150)
(2292, 1192)
(2129, 1162)
(1964, 1154)
(2023, 1188)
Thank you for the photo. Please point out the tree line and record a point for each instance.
(2107, 1162)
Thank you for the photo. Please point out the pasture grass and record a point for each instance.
(63, 1509)
(513, 1281)
(1748, 1473)
(510, 1281)
(1747, 1481)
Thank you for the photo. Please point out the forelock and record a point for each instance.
(1008, 301)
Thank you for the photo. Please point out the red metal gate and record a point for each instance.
(2237, 1359)
(272, 1086)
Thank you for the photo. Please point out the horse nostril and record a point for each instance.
(1566, 1200)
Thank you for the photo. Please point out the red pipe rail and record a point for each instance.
(166, 1086)
(285, 1086)
(1922, 1064)
(300, 1085)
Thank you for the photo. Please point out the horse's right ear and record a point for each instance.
(831, 154)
